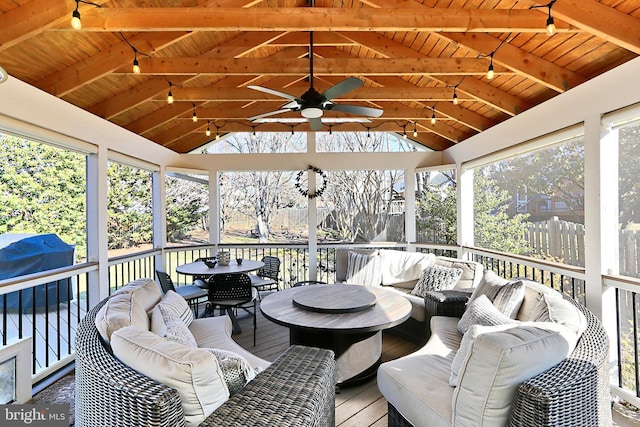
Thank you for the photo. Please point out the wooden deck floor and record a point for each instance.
(355, 406)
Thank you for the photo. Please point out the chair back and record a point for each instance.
(230, 286)
(271, 269)
(165, 281)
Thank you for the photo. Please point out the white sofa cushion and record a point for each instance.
(417, 385)
(128, 306)
(342, 260)
(497, 363)
(403, 268)
(554, 308)
(471, 271)
(509, 298)
(176, 303)
(194, 373)
(363, 269)
(482, 312)
(489, 286)
(437, 278)
(174, 328)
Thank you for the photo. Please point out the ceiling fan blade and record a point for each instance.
(271, 113)
(315, 123)
(356, 109)
(292, 105)
(272, 92)
(342, 87)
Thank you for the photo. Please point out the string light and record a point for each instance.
(415, 129)
(455, 95)
(551, 26)
(404, 132)
(195, 116)
(330, 130)
(433, 116)
(208, 131)
(170, 94)
(76, 22)
(253, 135)
(490, 72)
(217, 133)
(368, 133)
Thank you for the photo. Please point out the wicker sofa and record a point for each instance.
(297, 389)
(573, 392)
(399, 271)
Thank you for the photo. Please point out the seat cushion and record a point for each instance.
(128, 306)
(193, 372)
(215, 332)
(417, 302)
(417, 385)
(497, 363)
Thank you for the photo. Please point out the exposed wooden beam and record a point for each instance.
(313, 19)
(527, 64)
(597, 18)
(320, 38)
(105, 62)
(483, 92)
(322, 66)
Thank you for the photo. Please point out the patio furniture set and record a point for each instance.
(541, 363)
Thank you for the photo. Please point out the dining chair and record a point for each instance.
(267, 277)
(228, 292)
(191, 293)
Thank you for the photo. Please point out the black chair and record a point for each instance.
(191, 293)
(229, 292)
(266, 278)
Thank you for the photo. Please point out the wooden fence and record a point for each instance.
(564, 241)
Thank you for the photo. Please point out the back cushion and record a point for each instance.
(363, 269)
(471, 271)
(128, 306)
(342, 261)
(193, 372)
(403, 267)
(496, 364)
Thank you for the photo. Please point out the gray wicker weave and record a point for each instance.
(298, 389)
(573, 393)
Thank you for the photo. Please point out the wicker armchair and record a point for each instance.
(573, 393)
(298, 389)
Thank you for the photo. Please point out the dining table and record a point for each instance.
(200, 269)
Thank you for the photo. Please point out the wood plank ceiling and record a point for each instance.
(413, 56)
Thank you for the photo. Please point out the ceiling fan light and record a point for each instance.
(311, 113)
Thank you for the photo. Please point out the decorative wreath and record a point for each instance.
(319, 190)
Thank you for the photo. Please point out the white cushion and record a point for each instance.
(465, 346)
(342, 259)
(363, 270)
(509, 298)
(482, 312)
(437, 278)
(489, 286)
(194, 373)
(128, 306)
(554, 308)
(175, 329)
(400, 266)
(176, 303)
(497, 363)
(471, 271)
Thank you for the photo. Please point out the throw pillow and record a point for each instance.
(176, 330)
(437, 278)
(363, 270)
(489, 286)
(482, 312)
(509, 298)
(237, 372)
(173, 301)
(465, 347)
(554, 308)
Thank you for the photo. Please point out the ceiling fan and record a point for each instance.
(313, 104)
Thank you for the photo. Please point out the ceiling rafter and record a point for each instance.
(313, 19)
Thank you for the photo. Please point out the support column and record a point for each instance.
(464, 193)
(312, 213)
(410, 208)
(97, 236)
(159, 209)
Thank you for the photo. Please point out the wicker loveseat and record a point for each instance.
(298, 389)
(573, 392)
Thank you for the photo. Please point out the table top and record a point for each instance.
(390, 309)
(199, 268)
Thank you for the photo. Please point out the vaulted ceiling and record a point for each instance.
(412, 56)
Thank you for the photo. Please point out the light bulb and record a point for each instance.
(170, 97)
(76, 24)
(490, 72)
(404, 135)
(433, 119)
(136, 66)
(194, 117)
(455, 98)
(217, 135)
(551, 26)
(415, 133)
(208, 131)
(254, 136)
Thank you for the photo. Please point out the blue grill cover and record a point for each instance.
(22, 254)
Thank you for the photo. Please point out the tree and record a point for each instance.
(629, 138)
(187, 207)
(259, 194)
(43, 190)
(436, 210)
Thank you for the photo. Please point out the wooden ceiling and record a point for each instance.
(411, 55)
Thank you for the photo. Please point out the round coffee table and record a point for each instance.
(347, 319)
